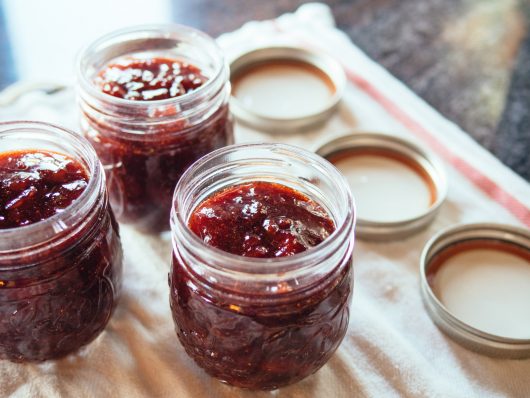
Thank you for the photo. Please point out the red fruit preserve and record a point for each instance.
(153, 101)
(60, 252)
(149, 79)
(261, 278)
(35, 185)
(261, 219)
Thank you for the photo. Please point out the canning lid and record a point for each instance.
(475, 284)
(278, 89)
(398, 186)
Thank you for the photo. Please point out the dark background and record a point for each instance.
(470, 59)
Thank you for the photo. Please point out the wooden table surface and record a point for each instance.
(470, 59)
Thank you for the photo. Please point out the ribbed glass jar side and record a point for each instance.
(253, 322)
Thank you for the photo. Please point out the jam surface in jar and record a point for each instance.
(35, 185)
(59, 294)
(149, 79)
(232, 331)
(261, 219)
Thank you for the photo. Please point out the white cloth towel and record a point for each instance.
(392, 348)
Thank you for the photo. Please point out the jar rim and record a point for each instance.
(44, 230)
(264, 267)
(162, 29)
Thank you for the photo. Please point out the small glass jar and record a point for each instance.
(252, 322)
(60, 277)
(145, 146)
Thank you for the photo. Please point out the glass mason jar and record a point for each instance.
(145, 146)
(60, 277)
(253, 322)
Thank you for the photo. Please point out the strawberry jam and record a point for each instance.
(60, 251)
(35, 185)
(261, 219)
(150, 117)
(149, 79)
(269, 329)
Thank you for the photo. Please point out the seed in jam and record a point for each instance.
(261, 219)
(149, 79)
(35, 185)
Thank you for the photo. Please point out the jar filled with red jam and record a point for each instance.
(261, 279)
(60, 250)
(153, 100)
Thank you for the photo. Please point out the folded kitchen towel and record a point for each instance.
(392, 348)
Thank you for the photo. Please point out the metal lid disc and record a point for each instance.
(398, 186)
(475, 284)
(278, 89)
